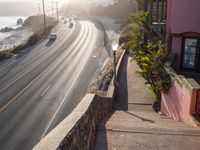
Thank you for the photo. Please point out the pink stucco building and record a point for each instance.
(183, 33)
(177, 23)
(183, 39)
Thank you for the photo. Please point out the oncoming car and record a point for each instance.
(52, 36)
(71, 24)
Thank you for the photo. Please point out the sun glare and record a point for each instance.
(64, 1)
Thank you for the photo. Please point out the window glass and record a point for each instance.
(187, 65)
(191, 42)
(190, 50)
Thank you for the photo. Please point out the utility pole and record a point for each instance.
(45, 25)
(52, 8)
(39, 8)
(57, 11)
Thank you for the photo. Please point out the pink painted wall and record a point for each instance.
(176, 104)
(183, 16)
(176, 49)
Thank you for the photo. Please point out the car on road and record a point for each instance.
(52, 36)
(71, 24)
(70, 19)
(74, 17)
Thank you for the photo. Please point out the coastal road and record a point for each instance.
(42, 85)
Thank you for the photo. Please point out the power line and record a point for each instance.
(56, 9)
(52, 8)
(39, 8)
(45, 25)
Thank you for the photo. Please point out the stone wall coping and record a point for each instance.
(188, 83)
(119, 62)
(58, 134)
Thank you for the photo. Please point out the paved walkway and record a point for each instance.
(133, 125)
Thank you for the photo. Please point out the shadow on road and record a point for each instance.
(49, 43)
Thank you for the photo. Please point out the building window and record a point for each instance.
(190, 53)
(158, 11)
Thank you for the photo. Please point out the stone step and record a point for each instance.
(133, 120)
(138, 130)
(196, 119)
(133, 107)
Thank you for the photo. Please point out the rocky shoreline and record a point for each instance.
(19, 24)
(28, 34)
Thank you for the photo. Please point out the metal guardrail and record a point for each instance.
(171, 71)
(180, 79)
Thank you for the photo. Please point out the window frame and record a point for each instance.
(197, 56)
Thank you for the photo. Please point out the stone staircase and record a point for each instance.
(145, 130)
(133, 125)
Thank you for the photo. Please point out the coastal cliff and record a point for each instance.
(37, 22)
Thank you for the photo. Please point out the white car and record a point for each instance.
(52, 36)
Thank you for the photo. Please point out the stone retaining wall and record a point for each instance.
(83, 134)
(78, 130)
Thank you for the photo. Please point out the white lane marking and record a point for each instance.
(69, 61)
(79, 40)
(46, 90)
(33, 67)
(72, 85)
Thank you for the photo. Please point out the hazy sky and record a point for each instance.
(25, 7)
(61, 1)
(31, 7)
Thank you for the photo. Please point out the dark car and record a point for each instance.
(70, 19)
(71, 25)
(52, 36)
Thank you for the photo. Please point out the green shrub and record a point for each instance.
(152, 63)
(6, 54)
(19, 48)
(151, 56)
(33, 39)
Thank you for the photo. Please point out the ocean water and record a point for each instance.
(10, 21)
(9, 39)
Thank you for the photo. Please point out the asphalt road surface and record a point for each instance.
(42, 85)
